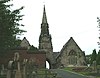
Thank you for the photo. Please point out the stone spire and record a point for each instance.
(44, 25)
(45, 38)
(44, 19)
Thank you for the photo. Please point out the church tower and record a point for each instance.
(45, 40)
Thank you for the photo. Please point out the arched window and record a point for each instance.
(72, 57)
(72, 52)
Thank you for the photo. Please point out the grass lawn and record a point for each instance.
(42, 73)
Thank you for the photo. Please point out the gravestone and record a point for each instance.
(24, 68)
(9, 70)
(2, 70)
(18, 74)
(18, 71)
(8, 73)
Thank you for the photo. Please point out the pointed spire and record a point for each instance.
(44, 19)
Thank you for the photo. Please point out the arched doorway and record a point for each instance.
(48, 64)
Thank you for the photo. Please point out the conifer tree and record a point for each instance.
(93, 56)
(98, 58)
(9, 25)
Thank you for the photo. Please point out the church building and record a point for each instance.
(70, 55)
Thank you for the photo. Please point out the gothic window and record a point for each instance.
(72, 57)
(72, 60)
(72, 52)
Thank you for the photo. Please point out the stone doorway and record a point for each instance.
(48, 64)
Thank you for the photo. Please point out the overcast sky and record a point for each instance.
(66, 18)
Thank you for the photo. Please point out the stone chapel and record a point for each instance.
(70, 55)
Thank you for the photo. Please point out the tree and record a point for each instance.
(98, 58)
(93, 56)
(9, 25)
(32, 48)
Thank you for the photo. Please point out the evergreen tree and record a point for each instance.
(93, 56)
(98, 58)
(9, 25)
(32, 48)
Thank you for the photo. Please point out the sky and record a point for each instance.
(66, 18)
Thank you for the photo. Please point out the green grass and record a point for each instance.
(42, 73)
(68, 68)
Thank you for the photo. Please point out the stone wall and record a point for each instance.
(38, 57)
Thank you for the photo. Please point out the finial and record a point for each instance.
(24, 38)
(71, 37)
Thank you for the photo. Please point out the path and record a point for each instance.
(67, 74)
